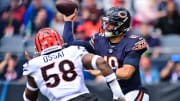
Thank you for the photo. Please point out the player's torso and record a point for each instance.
(115, 57)
(113, 54)
(60, 74)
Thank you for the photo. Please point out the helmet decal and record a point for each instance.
(122, 14)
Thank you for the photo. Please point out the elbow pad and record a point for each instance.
(93, 62)
(30, 88)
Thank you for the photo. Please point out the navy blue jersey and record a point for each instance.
(130, 47)
(127, 51)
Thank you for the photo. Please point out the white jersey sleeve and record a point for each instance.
(26, 69)
(30, 67)
(81, 50)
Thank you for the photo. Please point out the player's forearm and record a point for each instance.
(124, 73)
(104, 67)
(111, 79)
(67, 33)
(121, 75)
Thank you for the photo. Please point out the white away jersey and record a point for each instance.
(59, 75)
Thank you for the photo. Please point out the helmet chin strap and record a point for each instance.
(110, 34)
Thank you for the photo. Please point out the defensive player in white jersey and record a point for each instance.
(57, 72)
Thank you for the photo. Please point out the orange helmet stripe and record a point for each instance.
(50, 43)
(40, 41)
(56, 38)
(42, 37)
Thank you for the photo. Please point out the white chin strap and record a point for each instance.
(107, 34)
(110, 34)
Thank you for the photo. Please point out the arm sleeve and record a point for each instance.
(29, 68)
(68, 38)
(26, 70)
(133, 58)
(85, 44)
(67, 33)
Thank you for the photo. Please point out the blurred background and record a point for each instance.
(158, 21)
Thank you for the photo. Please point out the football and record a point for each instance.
(66, 6)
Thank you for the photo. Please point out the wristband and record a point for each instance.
(31, 88)
(25, 98)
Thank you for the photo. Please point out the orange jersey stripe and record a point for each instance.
(140, 96)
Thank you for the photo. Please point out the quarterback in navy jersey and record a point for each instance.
(121, 49)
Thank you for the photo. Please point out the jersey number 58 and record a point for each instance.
(62, 69)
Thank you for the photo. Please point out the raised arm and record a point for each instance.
(68, 35)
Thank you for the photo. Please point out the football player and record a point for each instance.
(57, 72)
(120, 48)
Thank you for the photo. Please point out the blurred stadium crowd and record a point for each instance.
(158, 21)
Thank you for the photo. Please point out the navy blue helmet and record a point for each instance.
(120, 18)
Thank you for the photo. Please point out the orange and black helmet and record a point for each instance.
(46, 38)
